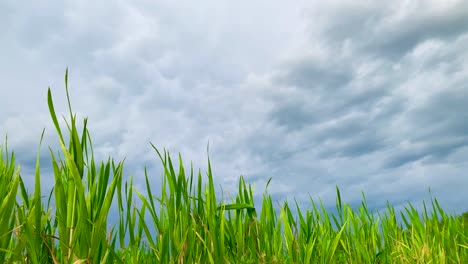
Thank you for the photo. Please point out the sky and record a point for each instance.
(369, 96)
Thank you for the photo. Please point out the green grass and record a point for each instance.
(189, 223)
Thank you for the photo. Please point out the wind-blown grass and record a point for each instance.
(188, 223)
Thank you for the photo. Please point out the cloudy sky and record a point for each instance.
(371, 96)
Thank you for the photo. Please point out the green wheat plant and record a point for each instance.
(185, 219)
(9, 182)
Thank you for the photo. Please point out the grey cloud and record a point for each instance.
(309, 74)
(444, 114)
(364, 100)
(33, 25)
(403, 158)
(355, 147)
(293, 116)
(408, 33)
(438, 127)
(389, 31)
(434, 150)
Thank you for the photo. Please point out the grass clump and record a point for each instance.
(188, 223)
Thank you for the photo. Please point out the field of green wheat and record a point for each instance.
(189, 223)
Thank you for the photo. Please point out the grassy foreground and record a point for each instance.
(187, 223)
